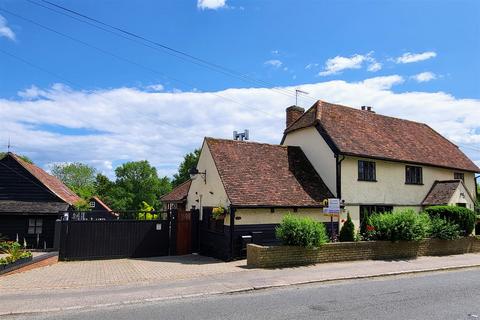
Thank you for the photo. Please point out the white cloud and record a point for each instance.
(424, 76)
(409, 57)
(5, 30)
(211, 4)
(311, 66)
(383, 83)
(273, 63)
(156, 87)
(338, 63)
(374, 66)
(125, 124)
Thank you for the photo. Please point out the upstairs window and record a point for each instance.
(459, 176)
(366, 171)
(413, 175)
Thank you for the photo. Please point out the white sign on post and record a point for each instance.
(333, 206)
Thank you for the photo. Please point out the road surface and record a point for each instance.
(441, 295)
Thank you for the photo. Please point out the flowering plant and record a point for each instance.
(218, 213)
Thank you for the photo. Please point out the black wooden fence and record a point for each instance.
(85, 240)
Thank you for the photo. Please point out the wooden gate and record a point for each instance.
(86, 240)
(184, 232)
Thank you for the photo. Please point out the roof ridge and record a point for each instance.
(246, 142)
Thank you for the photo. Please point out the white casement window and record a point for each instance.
(35, 226)
(92, 204)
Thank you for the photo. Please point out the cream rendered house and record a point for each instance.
(257, 184)
(377, 163)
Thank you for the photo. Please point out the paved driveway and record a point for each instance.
(97, 273)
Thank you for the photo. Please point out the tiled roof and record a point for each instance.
(11, 206)
(100, 202)
(178, 194)
(441, 192)
(258, 174)
(52, 183)
(363, 133)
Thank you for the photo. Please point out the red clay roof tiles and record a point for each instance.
(178, 194)
(364, 133)
(259, 174)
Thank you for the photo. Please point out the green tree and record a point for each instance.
(136, 182)
(347, 233)
(79, 177)
(189, 160)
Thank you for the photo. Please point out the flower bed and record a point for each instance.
(288, 256)
(15, 256)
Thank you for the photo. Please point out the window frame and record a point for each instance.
(461, 174)
(363, 174)
(37, 226)
(420, 178)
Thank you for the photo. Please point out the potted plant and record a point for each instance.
(218, 213)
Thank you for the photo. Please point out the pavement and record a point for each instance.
(91, 284)
(425, 296)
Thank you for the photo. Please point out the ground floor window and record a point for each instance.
(35, 226)
(366, 211)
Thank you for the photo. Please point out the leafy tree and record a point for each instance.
(79, 177)
(136, 182)
(347, 233)
(189, 160)
(24, 158)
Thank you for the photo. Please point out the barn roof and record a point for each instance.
(50, 182)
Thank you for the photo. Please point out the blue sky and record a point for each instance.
(420, 54)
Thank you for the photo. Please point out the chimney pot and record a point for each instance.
(293, 114)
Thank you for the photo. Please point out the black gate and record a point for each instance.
(85, 240)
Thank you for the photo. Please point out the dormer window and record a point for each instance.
(366, 171)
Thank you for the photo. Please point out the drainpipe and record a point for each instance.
(339, 174)
(232, 229)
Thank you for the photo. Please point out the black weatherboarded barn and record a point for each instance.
(30, 202)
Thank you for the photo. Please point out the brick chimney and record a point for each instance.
(293, 113)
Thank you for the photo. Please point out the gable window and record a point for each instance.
(366, 171)
(92, 204)
(459, 176)
(35, 226)
(413, 175)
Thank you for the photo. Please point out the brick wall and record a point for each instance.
(284, 256)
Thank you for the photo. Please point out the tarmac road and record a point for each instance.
(439, 295)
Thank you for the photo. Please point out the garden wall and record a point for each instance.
(284, 256)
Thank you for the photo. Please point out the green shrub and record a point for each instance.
(399, 225)
(444, 229)
(347, 233)
(14, 251)
(463, 217)
(304, 232)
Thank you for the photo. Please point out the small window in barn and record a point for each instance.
(459, 176)
(92, 204)
(35, 226)
(366, 171)
(413, 175)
